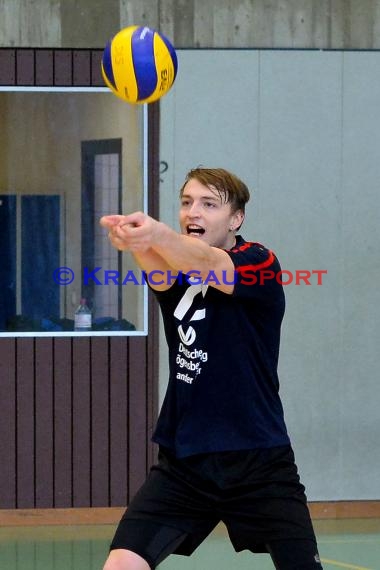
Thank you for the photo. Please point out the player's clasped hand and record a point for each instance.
(134, 232)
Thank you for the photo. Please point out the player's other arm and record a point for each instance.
(193, 256)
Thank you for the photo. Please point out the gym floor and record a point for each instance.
(351, 544)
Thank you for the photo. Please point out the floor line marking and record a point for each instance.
(343, 564)
(348, 540)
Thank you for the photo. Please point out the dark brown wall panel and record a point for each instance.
(63, 423)
(82, 68)
(96, 73)
(78, 412)
(137, 414)
(100, 408)
(44, 422)
(118, 428)
(78, 417)
(62, 67)
(8, 424)
(44, 67)
(25, 424)
(51, 67)
(25, 69)
(81, 409)
(7, 67)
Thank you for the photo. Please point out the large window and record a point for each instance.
(67, 157)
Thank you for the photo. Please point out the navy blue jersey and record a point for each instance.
(223, 391)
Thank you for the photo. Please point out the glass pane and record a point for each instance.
(106, 183)
(66, 159)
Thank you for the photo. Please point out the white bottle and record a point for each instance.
(82, 317)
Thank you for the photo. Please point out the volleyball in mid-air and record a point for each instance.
(139, 64)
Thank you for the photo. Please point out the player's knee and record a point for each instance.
(121, 559)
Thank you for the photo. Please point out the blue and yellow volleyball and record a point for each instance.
(139, 64)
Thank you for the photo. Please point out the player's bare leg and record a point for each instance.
(121, 559)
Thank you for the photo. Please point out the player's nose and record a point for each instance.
(194, 210)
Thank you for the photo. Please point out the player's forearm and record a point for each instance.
(142, 236)
(159, 274)
(150, 260)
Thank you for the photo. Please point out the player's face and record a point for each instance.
(205, 215)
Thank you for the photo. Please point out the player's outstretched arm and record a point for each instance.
(147, 259)
(156, 246)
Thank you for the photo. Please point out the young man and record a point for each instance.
(224, 451)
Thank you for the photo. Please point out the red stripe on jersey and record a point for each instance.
(257, 266)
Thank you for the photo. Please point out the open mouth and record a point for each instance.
(194, 230)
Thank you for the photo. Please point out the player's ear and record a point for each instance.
(237, 220)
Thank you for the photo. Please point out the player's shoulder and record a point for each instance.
(253, 250)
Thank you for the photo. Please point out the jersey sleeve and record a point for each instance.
(257, 272)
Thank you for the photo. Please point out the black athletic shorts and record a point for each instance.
(257, 494)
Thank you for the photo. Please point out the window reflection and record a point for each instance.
(66, 159)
